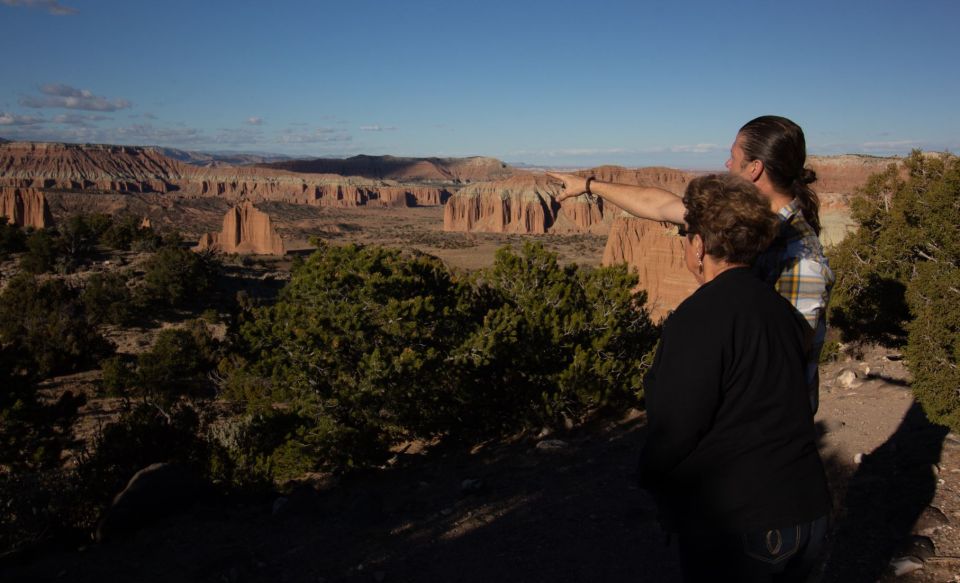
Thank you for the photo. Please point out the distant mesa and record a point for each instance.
(474, 169)
(521, 204)
(838, 177)
(479, 195)
(247, 231)
(25, 207)
(139, 170)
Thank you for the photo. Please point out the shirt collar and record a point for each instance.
(789, 210)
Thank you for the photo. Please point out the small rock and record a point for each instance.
(848, 379)
(905, 565)
(446, 511)
(918, 547)
(931, 519)
(159, 490)
(545, 432)
(858, 459)
(551, 444)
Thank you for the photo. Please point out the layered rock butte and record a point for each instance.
(527, 204)
(134, 169)
(496, 198)
(246, 230)
(25, 207)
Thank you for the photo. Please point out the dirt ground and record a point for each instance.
(558, 511)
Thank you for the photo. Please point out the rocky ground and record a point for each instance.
(551, 508)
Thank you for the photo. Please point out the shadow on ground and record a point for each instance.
(883, 499)
(512, 513)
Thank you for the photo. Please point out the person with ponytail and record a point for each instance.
(769, 151)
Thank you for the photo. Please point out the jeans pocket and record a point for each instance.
(774, 545)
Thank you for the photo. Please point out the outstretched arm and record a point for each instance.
(645, 202)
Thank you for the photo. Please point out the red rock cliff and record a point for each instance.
(521, 204)
(25, 207)
(650, 248)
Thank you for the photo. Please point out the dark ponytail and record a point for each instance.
(779, 144)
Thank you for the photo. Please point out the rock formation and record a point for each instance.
(129, 169)
(25, 207)
(652, 249)
(246, 230)
(526, 203)
(521, 204)
(473, 169)
(655, 251)
(838, 177)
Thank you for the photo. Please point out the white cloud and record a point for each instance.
(255, 121)
(10, 119)
(564, 152)
(317, 136)
(685, 149)
(377, 128)
(77, 119)
(67, 97)
(891, 145)
(51, 6)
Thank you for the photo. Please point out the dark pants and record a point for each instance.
(773, 556)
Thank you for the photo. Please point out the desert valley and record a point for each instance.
(433, 508)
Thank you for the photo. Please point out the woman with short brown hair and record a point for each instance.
(731, 451)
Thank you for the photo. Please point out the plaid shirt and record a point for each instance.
(796, 266)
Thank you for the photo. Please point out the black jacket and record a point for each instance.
(731, 443)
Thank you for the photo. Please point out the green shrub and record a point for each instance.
(33, 434)
(78, 239)
(176, 363)
(108, 299)
(47, 322)
(177, 277)
(12, 239)
(119, 375)
(898, 275)
(44, 250)
(374, 346)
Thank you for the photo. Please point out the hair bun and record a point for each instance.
(806, 176)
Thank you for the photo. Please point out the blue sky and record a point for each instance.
(549, 83)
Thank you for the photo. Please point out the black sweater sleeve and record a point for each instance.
(683, 412)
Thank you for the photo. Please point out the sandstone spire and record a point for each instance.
(246, 230)
(25, 207)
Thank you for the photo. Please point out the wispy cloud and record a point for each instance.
(51, 6)
(317, 136)
(377, 128)
(10, 119)
(67, 97)
(891, 145)
(255, 121)
(77, 119)
(566, 152)
(686, 149)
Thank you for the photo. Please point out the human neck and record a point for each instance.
(777, 198)
(712, 268)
